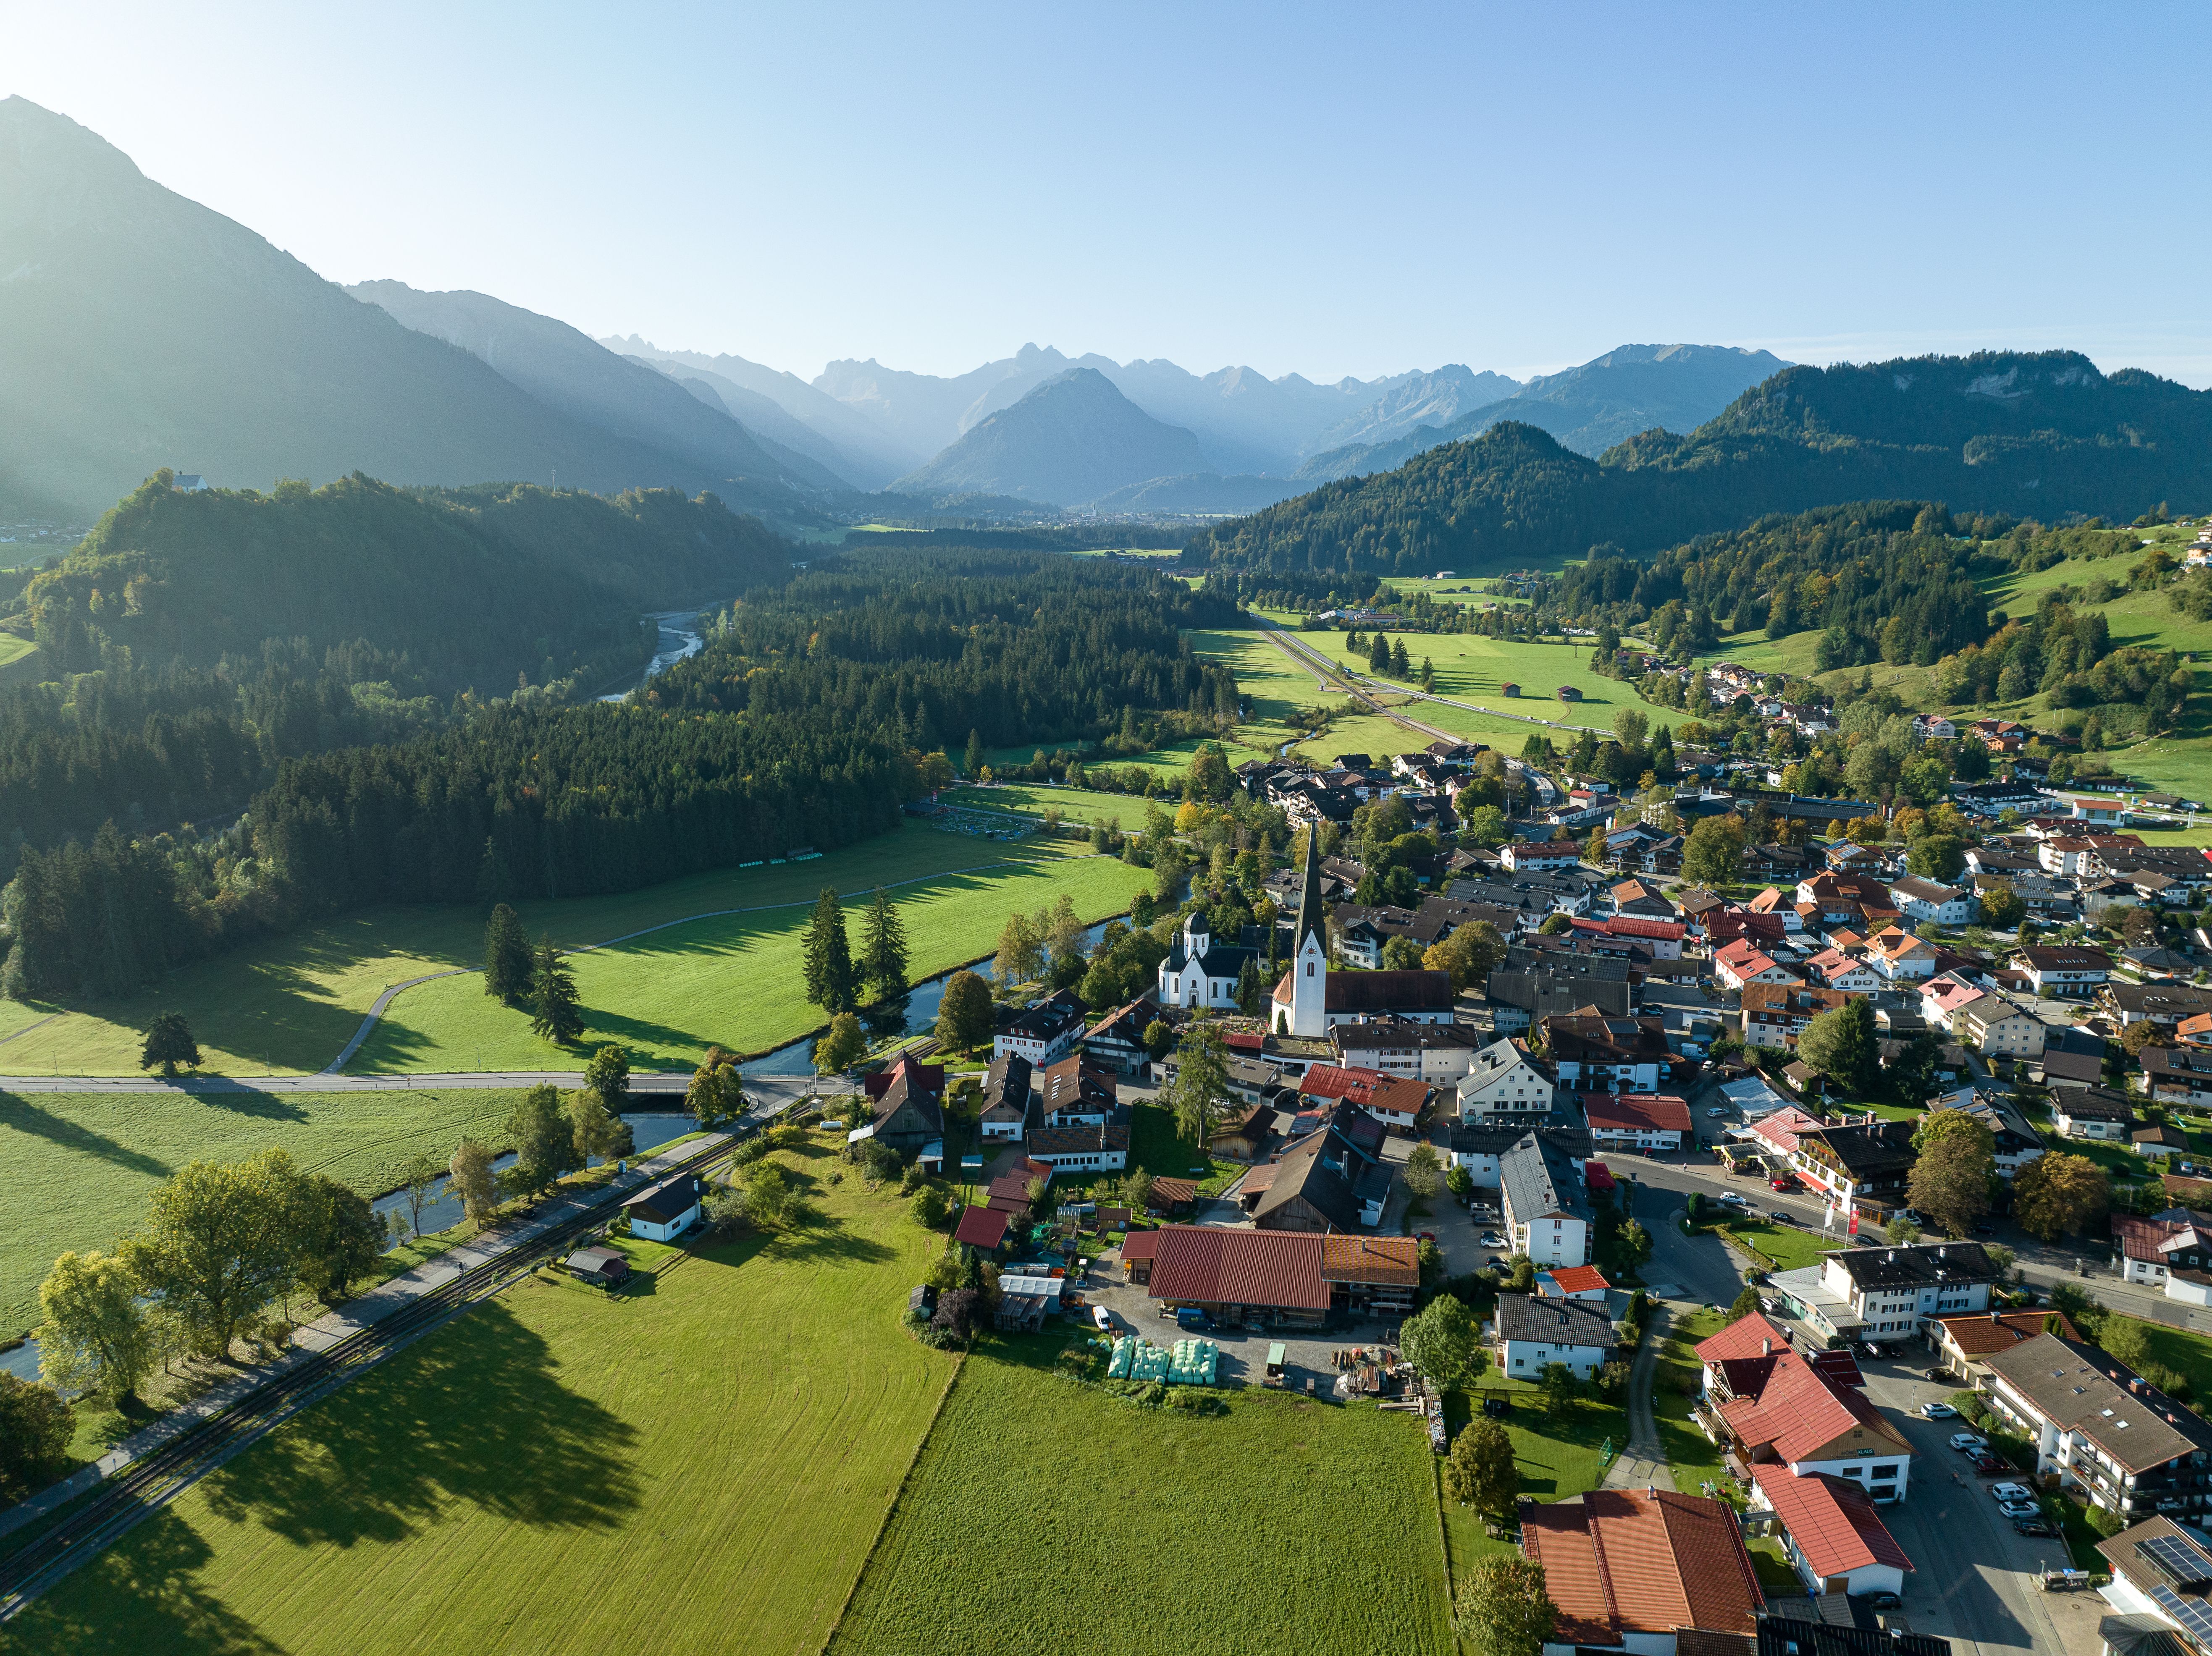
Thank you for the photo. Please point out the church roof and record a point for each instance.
(1313, 920)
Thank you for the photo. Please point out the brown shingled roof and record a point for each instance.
(1627, 1561)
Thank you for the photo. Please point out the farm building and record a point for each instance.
(909, 1117)
(1025, 1301)
(1242, 1276)
(604, 1267)
(664, 1211)
(1371, 1276)
(1138, 1249)
(1569, 692)
(1510, 688)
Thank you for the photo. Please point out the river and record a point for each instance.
(678, 642)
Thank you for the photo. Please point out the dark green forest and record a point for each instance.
(2045, 435)
(810, 720)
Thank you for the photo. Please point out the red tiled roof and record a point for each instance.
(1831, 1519)
(983, 1227)
(1637, 1112)
(1618, 1562)
(1977, 1336)
(1781, 1400)
(1140, 1245)
(1213, 1265)
(1642, 925)
(1578, 1279)
(1781, 1129)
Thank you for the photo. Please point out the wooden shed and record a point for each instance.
(605, 1267)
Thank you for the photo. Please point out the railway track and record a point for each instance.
(151, 1483)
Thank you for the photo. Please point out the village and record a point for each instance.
(1527, 1127)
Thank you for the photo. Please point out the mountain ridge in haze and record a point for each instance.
(1069, 441)
(143, 330)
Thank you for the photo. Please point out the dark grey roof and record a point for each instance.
(1006, 1090)
(1544, 993)
(1923, 1265)
(1782, 1634)
(670, 1199)
(2080, 1388)
(2091, 1103)
(1313, 920)
(2160, 1000)
(1537, 1178)
(1553, 1322)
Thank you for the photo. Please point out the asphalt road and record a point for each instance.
(780, 1088)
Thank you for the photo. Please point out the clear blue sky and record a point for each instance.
(1338, 190)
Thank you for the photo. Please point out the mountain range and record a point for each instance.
(2041, 434)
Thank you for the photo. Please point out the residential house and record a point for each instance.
(1537, 856)
(1545, 1198)
(2175, 1075)
(1010, 1108)
(984, 1229)
(1832, 968)
(664, 1211)
(1532, 1333)
(1503, 1081)
(1325, 1180)
(1927, 902)
(2165, 1004)
(1861, 1164)
(1838, 896)
(1642, 898)
(1638, 1121)
(2170, 1250)
(1591, 1052)
(2001, 1026)
(1043, 1032)
(1479, 1146)
(1435, 1055)
(1963, 1344)
(1942, 995)
(1573, 1282)
(1744, 962)
(2113, 1439)
(1772, 1406)
(2098, 1112)
(1775, 1015)
(2161, 1590)
(1398, 1103)
(2067, 971)
(1887, 1294)
(602, 1267)
(2076, 854)
(909, 1115)
(1117, 1040)
(1830, 1532)
(1644, 1571)
(1517, 996)
(1899, 956)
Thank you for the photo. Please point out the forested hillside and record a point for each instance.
(2046, 435)
(810, 720)
(198, 638)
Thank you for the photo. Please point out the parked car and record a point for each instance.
(2020, 1509)
(1937, 1411)
(1967, 1442)
(1786, 1181)
(1872, 1349)
(1884, 1600)
(1497, 1408)
(1735, 1198)
(1781, 1219)
(1102, 1317)
(1424, 1236)
(1988, 1465)
(2012, 1492)
(1492, 1239)
(1191, 1317)
(2032, 1526)
(1986, 1230)
(2063, 1581)
(1718, 1111)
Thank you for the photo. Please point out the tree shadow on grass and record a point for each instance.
(141, 1596)
(19, 1114)
(476, 1416)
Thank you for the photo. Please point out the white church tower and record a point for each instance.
(1307, 1012)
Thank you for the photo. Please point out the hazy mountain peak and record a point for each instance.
(1069, 440)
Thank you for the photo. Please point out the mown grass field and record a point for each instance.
(698, 1463)
(291, 1005)
(1047, 1515)
(1789, 1245)
(75, 1168)
(739, 979)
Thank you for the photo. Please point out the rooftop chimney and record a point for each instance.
(1766, 1347)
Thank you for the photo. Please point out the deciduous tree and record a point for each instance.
(1021, 957)
(1842, 1045)
(1713, 853)
(1502, 1608)
(1950, 1180)
(607, 1076)
(1481, 1471)
(593, 1129)
(36, 1428)
(544, 1143)
(2056, 1194)
(96, 1335)
(220, 1240)
(1470, 954)
(1424, 1172)
(842, 1045)
(418, 1176)
(472, 1180)
(717, 1095)
(1443, 1342)
(340, 1237)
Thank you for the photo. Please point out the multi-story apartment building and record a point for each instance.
(1545, 1202)
(1504, 1082)
(1885, 1294)
(2113, 1439)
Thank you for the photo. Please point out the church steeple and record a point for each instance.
(1312, 922)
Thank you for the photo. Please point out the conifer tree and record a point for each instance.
(829, 953)
(975, 755)
(883, 948)
(557, 1015)
(506, 967)
(1379, 656)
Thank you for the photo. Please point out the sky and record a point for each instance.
(1330, 191)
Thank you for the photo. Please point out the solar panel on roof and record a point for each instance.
(2181, 1560)
(2193, 1616)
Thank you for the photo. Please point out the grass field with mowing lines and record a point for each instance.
(292, 1003)
(699, 1462)
(739, 979)
(1110, 1527)
(75, 1168)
